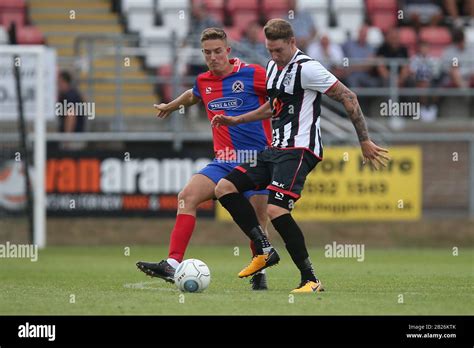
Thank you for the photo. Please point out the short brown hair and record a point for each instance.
(278, 29)
(213, 34)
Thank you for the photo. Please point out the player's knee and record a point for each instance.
(224, 187)
(274, 211)
(186, 198)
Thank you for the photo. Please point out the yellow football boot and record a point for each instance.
(308, 286)
(260, 262)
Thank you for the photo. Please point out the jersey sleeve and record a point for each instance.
(316, 77)
(196, 89)
(260, 81)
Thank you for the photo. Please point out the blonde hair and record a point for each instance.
(278, 29)
(213, 34)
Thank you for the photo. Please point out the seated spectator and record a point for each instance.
(458, 62)
(422, 12)
(391, 48)
(200, 20)
(457, 8)
(250, 43)
(423, 69)
(330, 55)
(303, 25)
(359, 74)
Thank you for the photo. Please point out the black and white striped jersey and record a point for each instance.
(295, 98)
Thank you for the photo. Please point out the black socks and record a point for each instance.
(294, 242)
(244, 215)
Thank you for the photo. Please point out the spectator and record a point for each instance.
(303, 25)
(359, 75)
(69, 122)
(458, 62)
(420, 12)
(330, 55)
(456, 8)
(200, 20)
(391, 48)
(251, 43)
(423, 70)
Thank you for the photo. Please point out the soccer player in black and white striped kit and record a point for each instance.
(295, 84)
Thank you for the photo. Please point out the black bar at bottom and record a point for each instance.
(136, 331)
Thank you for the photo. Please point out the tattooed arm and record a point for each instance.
(346, 97)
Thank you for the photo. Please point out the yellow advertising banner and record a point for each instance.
(342, 188)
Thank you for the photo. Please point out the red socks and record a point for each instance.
(252, 246)
(180, 236)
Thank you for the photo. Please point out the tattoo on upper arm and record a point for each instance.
(348, 98)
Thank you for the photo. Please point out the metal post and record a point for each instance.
(471, 178)
(394, 81)
(40, 155)
(90, 63)
(177, 120)
(118, 119)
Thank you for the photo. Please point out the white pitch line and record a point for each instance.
(146, 286)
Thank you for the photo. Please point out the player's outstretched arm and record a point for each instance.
(371, 152)
(263, 112)
(184, 100)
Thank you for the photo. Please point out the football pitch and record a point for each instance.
(104, 281)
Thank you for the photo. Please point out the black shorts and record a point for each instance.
(282, 171)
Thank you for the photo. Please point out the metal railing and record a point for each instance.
(89, 48)
(119, 46)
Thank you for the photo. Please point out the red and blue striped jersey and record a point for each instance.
(241, 91)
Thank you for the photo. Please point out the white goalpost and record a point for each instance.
(39, 138)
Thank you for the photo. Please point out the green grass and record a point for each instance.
(432, 281)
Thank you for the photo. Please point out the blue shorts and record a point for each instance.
(216, 170)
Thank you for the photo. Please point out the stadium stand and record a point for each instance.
(438, 38)
(340, 20)
(14, 11)
(408, 38)
(90, 18)
(152, 24)
(382, 13)
(350, 13)
(3, 36)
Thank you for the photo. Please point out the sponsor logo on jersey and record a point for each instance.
(225, 103)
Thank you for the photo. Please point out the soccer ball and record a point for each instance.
(192, 275)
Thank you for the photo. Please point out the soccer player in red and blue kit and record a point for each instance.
(230, 87)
